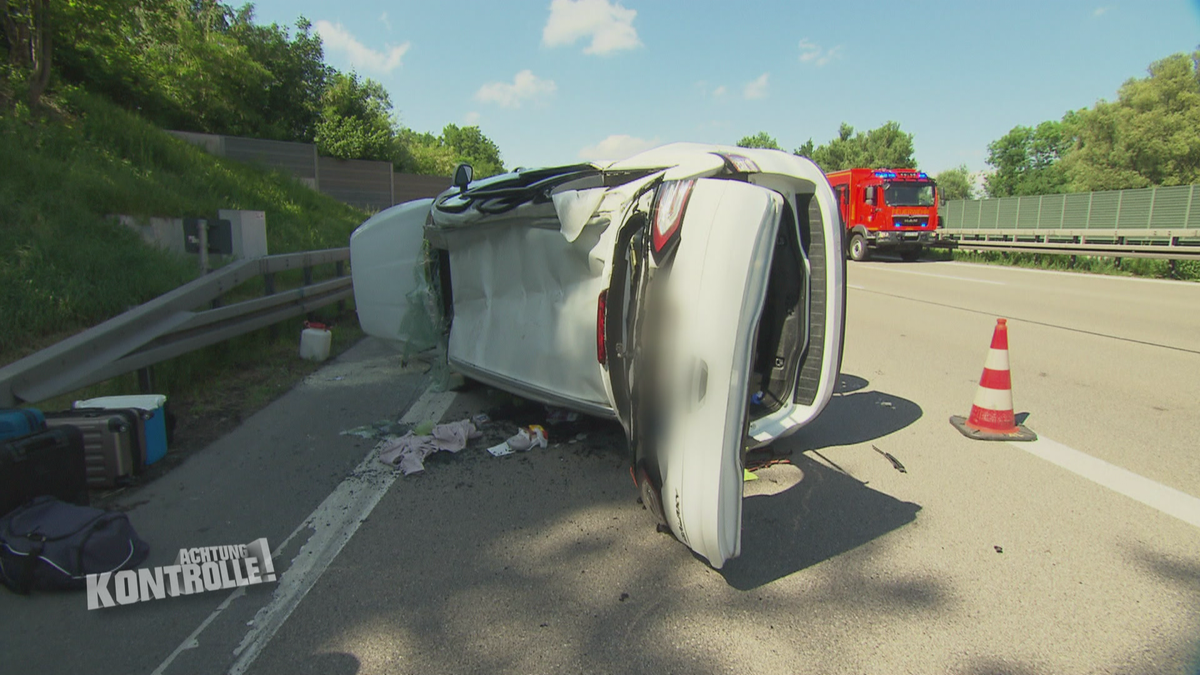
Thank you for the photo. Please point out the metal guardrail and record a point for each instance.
(169, 326)
(1181, 244)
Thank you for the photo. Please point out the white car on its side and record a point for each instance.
(695, 293)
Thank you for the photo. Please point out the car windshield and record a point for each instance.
(908, 194)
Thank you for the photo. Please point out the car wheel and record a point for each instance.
(858, 248)
(651, 496)
(911, 255)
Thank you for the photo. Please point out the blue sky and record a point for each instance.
(556, 81)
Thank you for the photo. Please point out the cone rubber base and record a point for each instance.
(1018, 434)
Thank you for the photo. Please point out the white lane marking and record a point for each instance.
(939, 276)
(1166, 499)
(1061, 273)
(856, 286)
(431, 404)
(333, 523)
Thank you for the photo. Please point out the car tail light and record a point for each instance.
(601, 305)
(669, 205)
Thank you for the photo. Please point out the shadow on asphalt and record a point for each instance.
(829, 511)
(545, 562)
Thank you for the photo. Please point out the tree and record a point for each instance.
(1026, 161)
(885, 147)
(1149, 136)
(471, 146)
(760, 140)
(431, 155)
(955, 184)
(356, 120)
(28, 39)
(290, 102)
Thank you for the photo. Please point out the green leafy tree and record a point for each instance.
(431, 155)
(760, 140)
(28, 43)
(1026, 160)
(471, 146)
(1149, 136)
(423, 153)
(290, 102)
(885, 147)
(356, 120)
(955, 184)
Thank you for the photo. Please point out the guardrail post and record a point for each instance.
(308, 279)
(146, 379)
(269, 289)
(339, 269)
(202, 231)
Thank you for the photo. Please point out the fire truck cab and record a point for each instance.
(886, 209)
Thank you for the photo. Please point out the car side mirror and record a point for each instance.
(463, 174)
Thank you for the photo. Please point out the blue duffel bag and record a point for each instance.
(47, 544)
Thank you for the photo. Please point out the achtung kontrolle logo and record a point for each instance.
(210, 568)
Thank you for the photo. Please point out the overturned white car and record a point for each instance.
(695, 293)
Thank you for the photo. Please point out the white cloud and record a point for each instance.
(811, 52)
(336, 38)
(609, 25)
(715, 92)
(471, 118)
(383, 19)
(617, 146)
(1100, 11)
(525, 86)
(719, 91)
(756, 88)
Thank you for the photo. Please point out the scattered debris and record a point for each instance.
(895, 462)
(525, 439)
(998, 549)
(481, 419)
(381, 429)
(424, 428)
(623, 598)
(409, 451)
(748, 476)
(339, 378)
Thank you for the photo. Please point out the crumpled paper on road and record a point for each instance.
(409, 451)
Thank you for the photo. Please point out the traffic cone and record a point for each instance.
(992, 417)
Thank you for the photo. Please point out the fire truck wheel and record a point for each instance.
(858, 248)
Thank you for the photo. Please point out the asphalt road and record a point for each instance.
(979, 558)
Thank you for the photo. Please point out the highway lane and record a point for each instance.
(1108, 365)
(979, 558)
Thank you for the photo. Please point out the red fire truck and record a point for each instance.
(886, 209)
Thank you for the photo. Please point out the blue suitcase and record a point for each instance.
(16, 422)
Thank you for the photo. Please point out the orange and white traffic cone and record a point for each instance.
(992, 417)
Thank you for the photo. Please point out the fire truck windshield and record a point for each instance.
(908, 194)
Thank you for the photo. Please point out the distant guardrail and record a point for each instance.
(170, 326)
(1161, 222)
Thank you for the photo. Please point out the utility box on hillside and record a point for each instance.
(237, 234)
(249, 231)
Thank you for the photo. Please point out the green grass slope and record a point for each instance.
(64, 266)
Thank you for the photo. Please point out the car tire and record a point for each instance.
(858, 248)
(911, 255)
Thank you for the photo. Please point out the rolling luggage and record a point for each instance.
(50, 462)
(20, 422)
(110, 441)
(152, 422)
